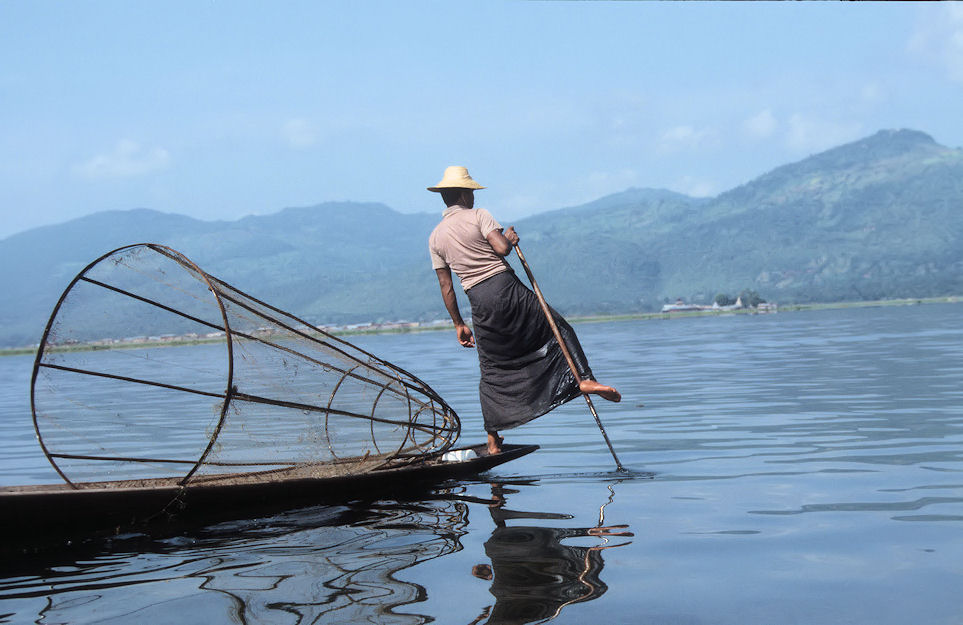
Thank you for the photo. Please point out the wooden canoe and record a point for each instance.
(58, 511)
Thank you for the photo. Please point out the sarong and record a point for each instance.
(523, 370)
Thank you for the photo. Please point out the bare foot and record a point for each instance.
(594, 388)
(494, 443)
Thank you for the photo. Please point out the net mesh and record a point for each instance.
(151, 368)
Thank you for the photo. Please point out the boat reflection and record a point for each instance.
(313, 565)
(340, 564)
(534, 574)
(354, 579)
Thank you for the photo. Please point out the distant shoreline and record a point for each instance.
(909, 301)
(783, 308)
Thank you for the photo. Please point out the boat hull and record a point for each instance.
(59, 512)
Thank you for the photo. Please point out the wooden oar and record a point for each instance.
(566, 353)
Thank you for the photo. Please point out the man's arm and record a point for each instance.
(502, 243)
(465, 337)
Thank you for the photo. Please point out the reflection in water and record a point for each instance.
(316, 565)
(353, 580)
(533, 574)
(313, 565)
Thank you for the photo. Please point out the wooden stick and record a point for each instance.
(566, 353)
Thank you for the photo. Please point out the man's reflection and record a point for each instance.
(533, 574)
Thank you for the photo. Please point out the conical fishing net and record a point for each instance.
(151, 368)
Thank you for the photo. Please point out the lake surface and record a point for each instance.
(800, 468)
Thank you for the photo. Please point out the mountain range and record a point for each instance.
(880, 217)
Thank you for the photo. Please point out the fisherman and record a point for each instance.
(524, 373)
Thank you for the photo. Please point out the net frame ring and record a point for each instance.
(42, 349)
(384, 387)
(411, 416)
(440, 432)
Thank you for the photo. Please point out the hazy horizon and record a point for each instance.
(439, 208)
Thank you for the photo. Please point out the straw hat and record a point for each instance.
(456, 177)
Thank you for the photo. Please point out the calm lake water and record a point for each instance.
(800, 468)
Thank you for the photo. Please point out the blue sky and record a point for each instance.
(223, 109)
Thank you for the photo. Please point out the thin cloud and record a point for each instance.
(872, 93)
(694, 187)
(127, 159)
(761, 125)
(684, 137)
(300, 133)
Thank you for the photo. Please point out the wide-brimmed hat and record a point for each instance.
(456, 177)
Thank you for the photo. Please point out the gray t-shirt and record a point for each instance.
(460, 242)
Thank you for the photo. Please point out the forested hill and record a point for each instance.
(880, 217)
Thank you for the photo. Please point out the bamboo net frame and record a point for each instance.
(150, 367)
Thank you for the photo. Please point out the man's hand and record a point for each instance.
(465, 337)
(511, 235)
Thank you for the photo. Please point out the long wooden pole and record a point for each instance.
(566, 352)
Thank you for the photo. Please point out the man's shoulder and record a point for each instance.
(486, 221)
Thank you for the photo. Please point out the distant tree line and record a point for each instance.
(749, 298)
